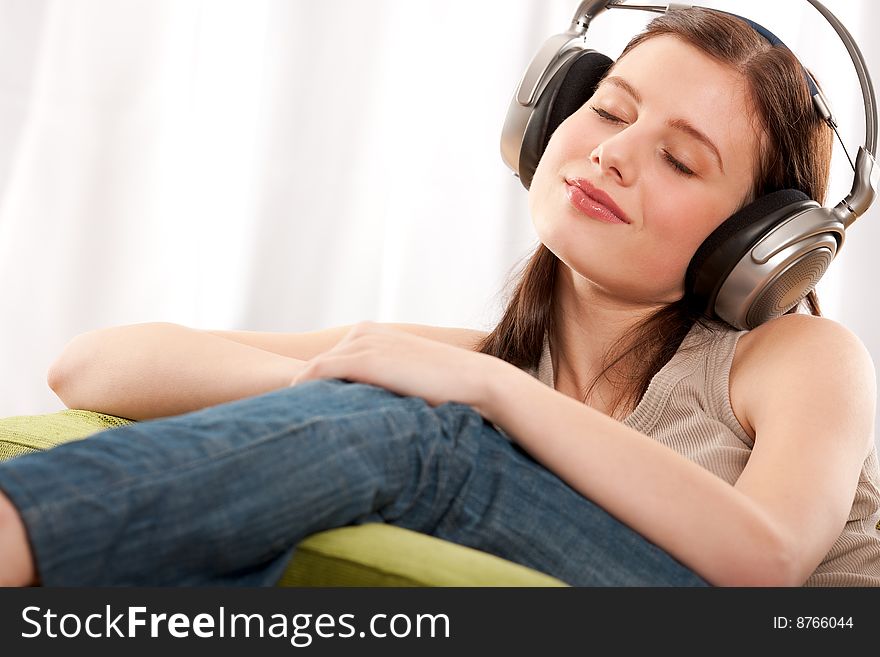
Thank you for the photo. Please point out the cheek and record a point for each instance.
(677, 227)
(563, 148)
(683, 221)
(568, 143)
(666, 263)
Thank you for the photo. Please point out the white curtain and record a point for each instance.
(290, 165)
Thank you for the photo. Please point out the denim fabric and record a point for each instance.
(221, 496)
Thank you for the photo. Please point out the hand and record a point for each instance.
(407, 364)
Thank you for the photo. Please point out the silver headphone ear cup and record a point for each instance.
(731, 240)
(761, 261)
(775, 296)
(528, 129)
(571, 86)
(780, 269)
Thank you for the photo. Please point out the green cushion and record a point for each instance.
(363, 555)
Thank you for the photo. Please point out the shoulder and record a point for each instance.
(801, 339)
(797, 358)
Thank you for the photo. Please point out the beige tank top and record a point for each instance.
(687, 407)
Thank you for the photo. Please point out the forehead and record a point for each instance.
(676, 80)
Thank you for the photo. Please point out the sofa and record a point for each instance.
(372, 554)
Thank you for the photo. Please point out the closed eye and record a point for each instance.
(677, 166)
(605, 115)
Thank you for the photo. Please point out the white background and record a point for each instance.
(294, 165)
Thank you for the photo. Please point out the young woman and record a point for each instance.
(601, 433)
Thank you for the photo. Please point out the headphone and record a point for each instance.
(764, 259)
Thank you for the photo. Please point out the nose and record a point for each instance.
(615, 158)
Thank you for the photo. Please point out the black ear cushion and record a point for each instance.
(570, 87)
(726, 245)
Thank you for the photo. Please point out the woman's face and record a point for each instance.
(669, 138)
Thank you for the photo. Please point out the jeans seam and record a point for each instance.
(178, 469)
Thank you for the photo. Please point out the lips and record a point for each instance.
(594, 202)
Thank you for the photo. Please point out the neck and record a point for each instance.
(588, 323)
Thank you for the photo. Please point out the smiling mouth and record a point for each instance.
(593, 203)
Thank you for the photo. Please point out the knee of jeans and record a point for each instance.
(324, 387)
(457, 417)
(342, 394)
(352, 395)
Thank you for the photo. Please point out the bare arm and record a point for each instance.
(698, 518)
(308, 344)
(156, 369)
(144, 371)
(811, 402)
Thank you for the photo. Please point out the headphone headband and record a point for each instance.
(776, 41)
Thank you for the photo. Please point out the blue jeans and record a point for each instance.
(222, 495)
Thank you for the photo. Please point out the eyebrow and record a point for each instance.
(677, 124)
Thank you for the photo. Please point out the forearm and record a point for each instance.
(698, 518)
(152, 370)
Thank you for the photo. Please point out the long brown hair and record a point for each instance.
(795, 153)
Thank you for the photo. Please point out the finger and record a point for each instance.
(337, 366)
(357, 331)
(308, 371)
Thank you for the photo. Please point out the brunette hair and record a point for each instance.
(795, 153)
